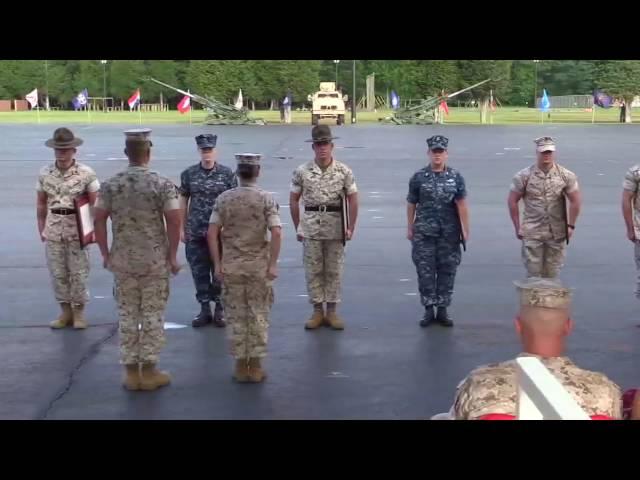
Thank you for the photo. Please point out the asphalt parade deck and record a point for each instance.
(383, 365)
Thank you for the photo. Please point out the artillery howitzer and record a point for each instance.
(217, 112)
(423, 113)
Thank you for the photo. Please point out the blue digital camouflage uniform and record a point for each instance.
(436, 241)
(202, 188)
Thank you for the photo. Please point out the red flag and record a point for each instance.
(185, 104)
(445, 107)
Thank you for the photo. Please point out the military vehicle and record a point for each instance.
(423, 113)
(327, 103)
(218, 113)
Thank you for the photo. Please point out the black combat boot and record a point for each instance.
(218, 316)
(443, 317)
(428, 317)
(205, 316)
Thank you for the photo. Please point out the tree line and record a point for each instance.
(265, 82)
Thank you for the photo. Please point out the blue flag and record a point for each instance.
(80, 100)
(395, 100)
(601, 99)
(545, 103)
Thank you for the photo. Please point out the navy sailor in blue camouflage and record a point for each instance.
(437, 219)
(200, 186)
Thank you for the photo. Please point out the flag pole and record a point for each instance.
(140, 109)
(88, 112)
(593, 114)
(190, 107)
(38, 112)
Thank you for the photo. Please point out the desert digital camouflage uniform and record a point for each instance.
(631, 182)
(137, 199)
(493, 388)
(68, 263)
(323, 251)
(245, 214)
(543, 225)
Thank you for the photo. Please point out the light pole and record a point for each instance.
(104, 85)
(353, 95)
(336, 62)
(46, 79)
(535, 84)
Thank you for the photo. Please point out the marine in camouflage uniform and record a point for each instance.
(543, 231)
(139, 201)
(436, 210)
(57, 186)
(631, 214)
(543, 324)
(244, 216)
(200, 185)
(320, 184)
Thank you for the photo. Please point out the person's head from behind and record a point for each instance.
(248, 169)
(544, 320)
(138, 150)
(138, 146)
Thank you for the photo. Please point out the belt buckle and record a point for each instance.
(322, 208)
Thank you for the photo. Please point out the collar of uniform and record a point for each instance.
(316, 167)
(538, 171)
(72, 170)
(563, 359)
(429, 169)
(243, 183)
(138, 167)
(212, 169)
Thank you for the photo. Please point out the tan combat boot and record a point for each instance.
(151, 378)
(315, 321)
(241, 374)
(66, 317)
(256, 373)
(334, 320)
(131, 380)
(79, 321)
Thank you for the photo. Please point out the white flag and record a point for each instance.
(239, 100)
(32, 98)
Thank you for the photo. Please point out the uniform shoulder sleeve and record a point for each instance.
(232, 179)
(631, 179)
(571, 180)
(519, 181)
(349, 181)
(271, 211)
(461, 187)
(92, 183)
(215, 218)
(169, 194)
(185, 189)
(104, 197)
(40, 181)
(414, 189)
(297, 180)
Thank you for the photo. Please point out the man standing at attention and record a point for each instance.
(58, 184)
(139, 202)
(546, 226)
(322, 184)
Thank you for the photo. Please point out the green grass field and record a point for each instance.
(503, 116)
